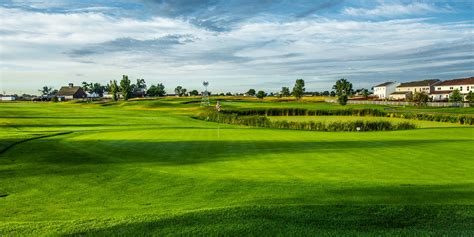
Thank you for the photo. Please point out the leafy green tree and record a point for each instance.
(46, 90)
(54, 99)
(455, 96)
(126, 87)
(285, 91)
(97, 88)
(332, 93)
(261, 94)
(139, 89)
(251, 92)
(420, 98)
(298, 89)
(343, 89)
(180, 91)
(228, 94)
(342, 99)
(114, 89)
(158, 90)
(194, 93)
(86, 86)
(470, 97)
(326, 93)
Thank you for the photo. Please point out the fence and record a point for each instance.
(402, 103)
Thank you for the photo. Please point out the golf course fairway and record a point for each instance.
(150, 168)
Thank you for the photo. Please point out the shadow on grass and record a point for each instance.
(187, 152)
(304, 220)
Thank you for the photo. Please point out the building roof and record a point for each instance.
(384, 84)
(428, 82)
(68, 90)
(457, 82)
(441, 92)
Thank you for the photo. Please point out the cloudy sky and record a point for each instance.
(235, 45)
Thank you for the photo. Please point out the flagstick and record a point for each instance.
(218, 129)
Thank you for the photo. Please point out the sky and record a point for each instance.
(235, 45)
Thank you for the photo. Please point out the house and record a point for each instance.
(7, 98)
(71, 92)
(403, 90)
(443, 90)
(383, 91)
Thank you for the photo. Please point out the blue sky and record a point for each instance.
(236, 45)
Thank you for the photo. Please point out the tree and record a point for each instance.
(86, 86)
(285, 91)
(46, 90)
(97, 88)
(470, 97)
(158, 90)
(420, 98)
(455, 96)
(342, 99)
(251, 92)
(125, 87)
(326, 93)
(261, 94)
(194, 93)
(114, 89)
(298, 89)
(228, 94)
(180, 91)
(332, 94)
(139, 89)
(343, 89)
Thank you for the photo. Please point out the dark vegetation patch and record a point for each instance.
(3, 195)
(4, 149)
(263, 121)
(191, 102)
(305, 220)
(452, 118)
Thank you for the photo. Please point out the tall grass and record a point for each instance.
(263, 121)
(461, 119)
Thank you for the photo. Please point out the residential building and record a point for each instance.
(404, 90)
(443, 90)
(71, 92)
(7, 98)
(383, 91)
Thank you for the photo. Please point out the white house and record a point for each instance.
(443, 90)
(7, 98)
(405, 89)
(383, 90)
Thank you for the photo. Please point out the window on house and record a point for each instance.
(451, 88)
(439, 88)
(460, 88)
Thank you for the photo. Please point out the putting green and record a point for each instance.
(148, 168)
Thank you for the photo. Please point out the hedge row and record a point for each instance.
(262, 121)
(306, 112)
(461, 119)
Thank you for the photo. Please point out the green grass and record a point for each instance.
(147, 167)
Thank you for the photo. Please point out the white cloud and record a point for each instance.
(391, 10)
(254, 53)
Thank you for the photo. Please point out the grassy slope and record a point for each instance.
(155, 170)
